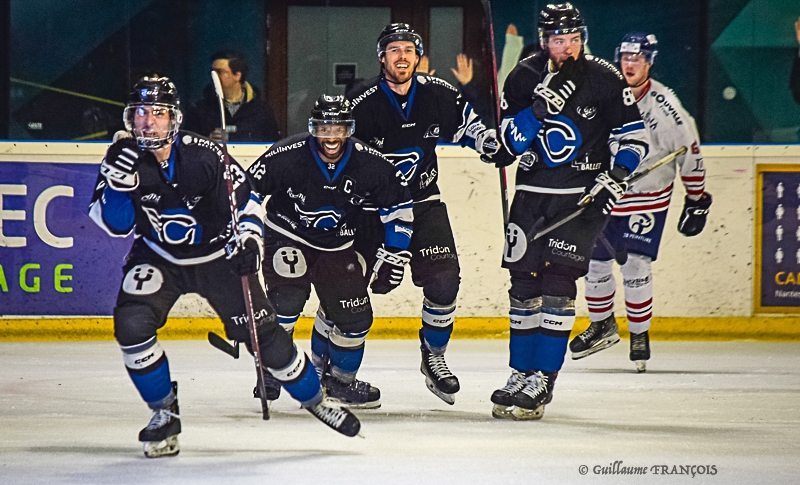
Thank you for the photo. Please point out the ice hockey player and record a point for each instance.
(637, 220)
(574, 122)
(403, 115)
(168, 187)
(317, 185)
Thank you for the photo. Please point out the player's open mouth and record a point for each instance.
(331, 147)
(401, 65)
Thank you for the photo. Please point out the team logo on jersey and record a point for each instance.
(527, 160)
(143, 279)
(378, 142)
(559, 140)
(427, 178)
(324, 217)
(433, 132)
(174, 226)
(641, 223)
(406, 161)
(516, 243)
(289, 262)
(587, 112)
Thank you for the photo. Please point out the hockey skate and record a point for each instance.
(599, 336)
(338, 419)
(640, 350)
(438, 378)
(160, 436)
(272, 387)
(529, 402)
(503, 398)
(356, 394)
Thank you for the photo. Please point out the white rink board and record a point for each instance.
(708, 275)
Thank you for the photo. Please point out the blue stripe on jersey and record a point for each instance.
(520, 130)
(323, 166)
(628, 127)
(404, 114)
(118, 210)
(397, 235)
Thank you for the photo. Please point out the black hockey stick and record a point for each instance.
(588, 198)
(220, 343)
(487, 9)
(248, 298)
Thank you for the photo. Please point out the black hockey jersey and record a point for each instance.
(180, 210)
(317, 204)
(599, 126)
(406, 128)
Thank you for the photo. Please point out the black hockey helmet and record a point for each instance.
(638, 43)
(156, 92)
(558, 19)
(396, 32)
(331, 111)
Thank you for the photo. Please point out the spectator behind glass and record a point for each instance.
(247, 115)
(794, 80)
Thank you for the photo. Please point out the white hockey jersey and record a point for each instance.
(670, 127)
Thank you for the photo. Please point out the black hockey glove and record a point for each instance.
(694, 214)
(500, 159)
(609, 187)
(245, 258)
(119, 167)
(556, 88)
(388, 271)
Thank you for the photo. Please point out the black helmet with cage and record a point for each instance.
(158, 93)
(558, 19)
(328, 112)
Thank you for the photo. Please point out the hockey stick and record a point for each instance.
(487, 9)
(248, 298)
(221, 344)
(588, 199)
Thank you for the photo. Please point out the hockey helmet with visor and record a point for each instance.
(155, 96)
(635, 43)
(560, 19)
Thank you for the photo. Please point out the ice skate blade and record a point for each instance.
(448, 398)
(336, 402)
(601, 345)
(157, 449)
(641, 365)
(522, 414)
(502, 412)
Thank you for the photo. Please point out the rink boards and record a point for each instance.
(57, 267)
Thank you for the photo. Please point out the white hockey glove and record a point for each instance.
(486, 142)
(245, 257)
(388, 271)
(119, 166)
(608, 189)
(556, 88)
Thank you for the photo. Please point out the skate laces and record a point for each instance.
(160, 418)
(438, 366)
(356, 391)
(515, 383)
(535, 384)
(590, 332)
(331, 416)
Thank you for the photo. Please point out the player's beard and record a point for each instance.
(329, 152)
(397, 75)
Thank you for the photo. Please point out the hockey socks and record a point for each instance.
(558, 317)
(299, 380)
(437, 325)
(148, 368)
(524, 318)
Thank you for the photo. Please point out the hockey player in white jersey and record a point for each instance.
(637, 223)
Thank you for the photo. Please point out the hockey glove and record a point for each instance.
(119, 166)
(388, 271)
(609, 187)
(486, 142)
(694, 214)
(556, 88)
(500, 159)
(245, 257)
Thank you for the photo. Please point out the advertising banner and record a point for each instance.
(777, 232)
(54, 260)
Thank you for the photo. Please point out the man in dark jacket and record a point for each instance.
(247, 115)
